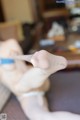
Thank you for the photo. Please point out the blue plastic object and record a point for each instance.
(6, 61)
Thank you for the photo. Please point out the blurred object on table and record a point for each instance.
(46, 42)
(75, 47)
(75, 25)
(75, 11)
(70, 4)
(56, 32)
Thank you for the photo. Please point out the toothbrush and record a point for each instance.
(28, 58)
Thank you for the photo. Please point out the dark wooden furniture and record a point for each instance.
(50, 8)
(50, 11)
(2, 19)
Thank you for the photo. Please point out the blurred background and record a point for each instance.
(42, 23)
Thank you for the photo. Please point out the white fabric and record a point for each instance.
(35, 93)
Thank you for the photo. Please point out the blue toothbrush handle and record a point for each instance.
(6, 61)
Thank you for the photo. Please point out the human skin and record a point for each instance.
(22, 79)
